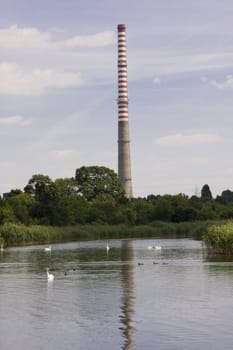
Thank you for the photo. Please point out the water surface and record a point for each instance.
(129, 298)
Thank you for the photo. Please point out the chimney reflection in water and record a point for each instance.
(128, 295)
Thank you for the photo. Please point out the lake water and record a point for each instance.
(176, 298)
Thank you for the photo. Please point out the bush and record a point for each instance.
(219, 238)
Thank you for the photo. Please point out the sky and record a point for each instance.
(58, 91)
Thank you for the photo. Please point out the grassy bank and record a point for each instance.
(219, 238)
(15, 234)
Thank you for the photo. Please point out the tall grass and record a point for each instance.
(16, 234)
(219, 238)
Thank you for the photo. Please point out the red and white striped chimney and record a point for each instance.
(124, 164)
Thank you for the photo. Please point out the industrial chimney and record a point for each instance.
(124, 165)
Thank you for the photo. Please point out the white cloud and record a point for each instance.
(226, 84)
(193, 139)
(15, 37)
(169, 63)
(19, 38)
(96, 40)
(15, 81)
(16, 120)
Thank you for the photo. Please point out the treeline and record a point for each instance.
(95, 196)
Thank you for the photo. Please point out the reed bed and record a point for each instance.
(219, 238)
(18, 234)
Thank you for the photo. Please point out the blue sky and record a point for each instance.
(58, 91)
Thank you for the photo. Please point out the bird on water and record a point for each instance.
(156, 247)
(50, 276)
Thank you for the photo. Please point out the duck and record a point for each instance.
(50, 276)
(156, 247)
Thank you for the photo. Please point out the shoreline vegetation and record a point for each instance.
(217, 236)
(92, 205)
(12, 234)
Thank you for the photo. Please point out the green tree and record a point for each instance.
(182, 209)
(226, 212)
(163, 208)
(14, 192)
(66, 186)
(207, 213)
(206, 194)
(143, 210)
(22, 204)
(95, 180)
(46, 195)
(105, 209)
(151, 198)
(196, 202)
(7, 214)
(41, 187)
(225, 198)
(72, 209)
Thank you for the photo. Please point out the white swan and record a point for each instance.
(50, 276)
(107, 246)
(48, 249)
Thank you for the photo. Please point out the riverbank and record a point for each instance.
(17, 234)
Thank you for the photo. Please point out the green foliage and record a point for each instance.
(95, 195)
(93, 181)
(71, 210)
(21, 204)
(38, 186)
(7, 214)
(207, 213)
(143, 211)
(93, 199)
(16, 234)
(106, 209)
(206, 194)
(163, 209)
(225, 198)
(67, 186)
(219, 237)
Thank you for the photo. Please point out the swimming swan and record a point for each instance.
(50, 276)
(48, 249)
